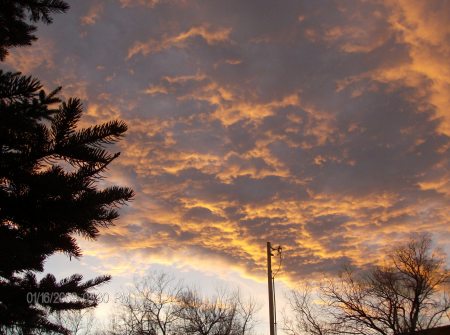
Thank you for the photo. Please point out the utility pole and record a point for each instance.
(270, 282)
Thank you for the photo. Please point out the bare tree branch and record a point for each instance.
(409, 293)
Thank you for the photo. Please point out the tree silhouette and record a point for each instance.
(408, 294)
(157, 305)
(14, 28)
(226, 313)
(48, 184)
(49, 170)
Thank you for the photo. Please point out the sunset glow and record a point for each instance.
(323, 127)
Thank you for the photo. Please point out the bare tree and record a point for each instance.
(78, 322)
(307, 316)
(247, 309)
(158, 305)
(409, 293)
(150, 307)
(224, 314)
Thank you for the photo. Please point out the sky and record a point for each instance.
(321, 126)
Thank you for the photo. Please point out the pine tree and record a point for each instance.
(49, 170)
(14, 28)
(48, 195)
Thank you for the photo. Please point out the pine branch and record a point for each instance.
(93, 169)
(41, 10)
(97, 136)
(14, 30)
(115, 195)
(14, 87)
(44, 203)
(65, 121)
(68, 245)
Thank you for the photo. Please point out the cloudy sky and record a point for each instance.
(323, 126)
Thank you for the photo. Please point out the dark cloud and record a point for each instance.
(201, 215)
(324, 128)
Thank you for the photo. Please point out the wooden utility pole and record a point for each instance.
(270, 282)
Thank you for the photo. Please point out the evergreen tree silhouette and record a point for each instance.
(14, 28)
(48, 195)
(49, 169)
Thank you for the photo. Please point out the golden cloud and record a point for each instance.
(424, 27)
(26, 60)
(254, 143)
(210, 36)
(92, 15)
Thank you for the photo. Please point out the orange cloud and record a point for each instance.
(210, 36)
(155, 89)
(27, 59)
(229, 149)
(92, 15)
(147, 3)
(424, 27)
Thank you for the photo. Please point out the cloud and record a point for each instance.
(147, 3)
(423, 28)
(201, 214)
(320, 128)
(155, 89)
(93, 14)
(27, 59)
(210, 36)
